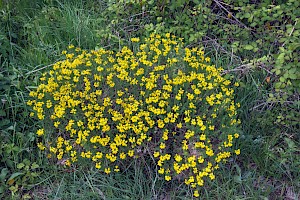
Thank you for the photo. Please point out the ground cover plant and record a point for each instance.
(255, 42)
(108, 107)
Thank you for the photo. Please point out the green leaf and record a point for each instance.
(277, 72)
(2, 113)
(247, 15)
(15, 175)
(34, 165)
(26, 162)
(293, 76)
(290, 143)
(4, 122)
(256, 49)
(292, 71)
(250, 19)
(237, 179)
(1, 190)
(280, 58)
(3, 174)
(20, 165)
(277, 85)
(34, 174)
(282, 79)
(192, 38)
(10, 128)
(248, 47)
(16, 149)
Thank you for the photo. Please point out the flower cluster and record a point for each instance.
(107, 107)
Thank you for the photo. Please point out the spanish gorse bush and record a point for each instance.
(109, 107)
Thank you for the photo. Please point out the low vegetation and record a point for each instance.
(178, 99)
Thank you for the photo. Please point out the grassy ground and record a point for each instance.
(32, 35)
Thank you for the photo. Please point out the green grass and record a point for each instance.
(32, 37)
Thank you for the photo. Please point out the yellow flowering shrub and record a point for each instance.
(107, 107)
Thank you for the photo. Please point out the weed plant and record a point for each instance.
(108, 107)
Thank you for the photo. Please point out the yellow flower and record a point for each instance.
(175, 108)
(130, 153)
(161, 170)
(135, 39)
(202, 137)
(207, 59)
(179, 125)
(41, 146)
(56, 124)
(165, 135)
(211, 176)
(116, 168)
(156, 154)
(162, 145)
(122, 155)
(201, 160)
(98, 165)
(40, 132)
(196, 193)
(178, 158)
(107, 170)
(168, 178)
(209, 152)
